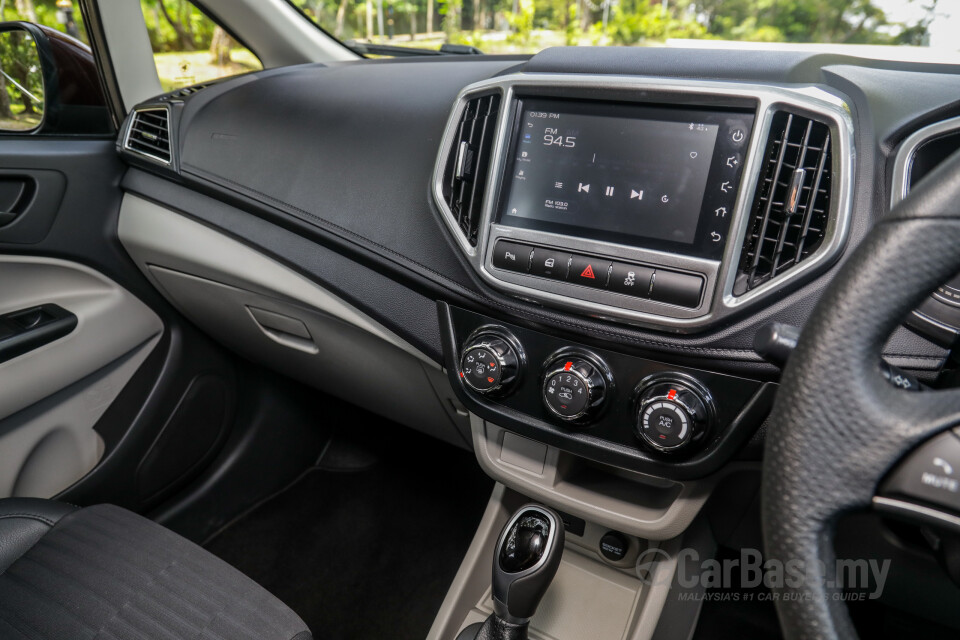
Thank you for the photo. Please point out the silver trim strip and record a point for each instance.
(129, 129)
(719, 299)
(903, 163)
(910, 510)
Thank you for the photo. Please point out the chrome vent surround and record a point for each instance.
(720, 300)
(465, 171)
(791, 208)
(149, 134)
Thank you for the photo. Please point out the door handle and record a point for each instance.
(28, 329)
(16, 193)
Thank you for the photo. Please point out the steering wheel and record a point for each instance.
(837, 426)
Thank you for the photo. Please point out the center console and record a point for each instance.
(666, 204)
(644, 200)
(612, 408)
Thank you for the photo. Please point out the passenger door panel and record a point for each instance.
(48, 448)
(29, 200)
(70, 419)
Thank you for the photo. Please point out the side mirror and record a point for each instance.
(49, 83)
(22, 100)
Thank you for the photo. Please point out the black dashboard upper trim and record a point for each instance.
(329, 161)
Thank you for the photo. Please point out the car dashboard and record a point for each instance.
(577, 250)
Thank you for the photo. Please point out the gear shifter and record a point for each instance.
(524, 563)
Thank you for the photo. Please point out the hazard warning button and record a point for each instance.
(590, 272)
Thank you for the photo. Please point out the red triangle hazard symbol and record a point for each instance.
(588, 272)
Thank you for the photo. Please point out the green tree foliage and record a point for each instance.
(649, 21)
(827, 21)
(633, 22)
(177, 25)
(521, 21)
(44, 12)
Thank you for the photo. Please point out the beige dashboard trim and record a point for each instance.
(589, 598)
(157, 236)
(654, 508)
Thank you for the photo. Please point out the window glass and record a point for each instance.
(898, 29)
(189, 47)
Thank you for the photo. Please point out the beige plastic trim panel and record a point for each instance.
(154, 235)
(644, 506)
(337, 357)
(587, 598)
(128, 45)
(276, 317)
(111, 324)
(45, 449)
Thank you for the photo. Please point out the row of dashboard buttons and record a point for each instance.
(659, 285)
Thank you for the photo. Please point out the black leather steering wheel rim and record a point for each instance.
(837, 427)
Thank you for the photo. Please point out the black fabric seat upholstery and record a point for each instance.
(105, 573)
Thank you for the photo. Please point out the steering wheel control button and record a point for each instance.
(614, 546)
(511, 256)
(672, 413)
(574, 388)
(680, 289)
(490, 363)
(899, 378)
(931, 474)
(548, 263)
(631, 280)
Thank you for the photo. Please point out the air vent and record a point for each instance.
(466, 170)
(791, 209)
(149, 134)
(183, 93)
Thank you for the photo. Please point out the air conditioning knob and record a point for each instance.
(672, 412)
(575, 387)
(490, 363)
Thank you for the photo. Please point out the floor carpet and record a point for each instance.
(365, 544)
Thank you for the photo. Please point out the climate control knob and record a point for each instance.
(575, 387)
(672, 412)
(490, 363)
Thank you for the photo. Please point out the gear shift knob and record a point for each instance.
(525, 562)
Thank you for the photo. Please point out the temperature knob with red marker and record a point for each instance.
(490, 364)
(672, 412)
(574, 387)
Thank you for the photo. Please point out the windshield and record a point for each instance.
(911, 29)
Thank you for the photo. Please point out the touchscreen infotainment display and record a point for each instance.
(652, 177)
